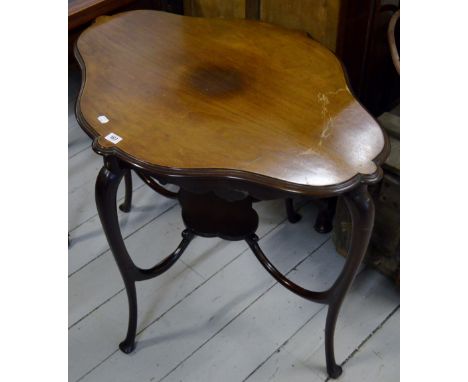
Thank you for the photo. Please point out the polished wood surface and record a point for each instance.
(219, 98)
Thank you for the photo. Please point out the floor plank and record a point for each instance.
(77, 138)
(302, 357)
(100, 280)
(97, 336)
(379, 357)
(88, 240)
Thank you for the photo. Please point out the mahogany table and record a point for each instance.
(232, 112)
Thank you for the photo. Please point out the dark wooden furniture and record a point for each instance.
(383, 251)
(231, 111)
(363, 48)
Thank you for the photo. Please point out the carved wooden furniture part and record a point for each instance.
(232, 112)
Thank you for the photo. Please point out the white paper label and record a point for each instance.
(114, 138)
(103, 119)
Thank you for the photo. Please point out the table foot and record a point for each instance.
(324, 221)
(334, 371)
(127, 347)
(293, 216)
(127, 204)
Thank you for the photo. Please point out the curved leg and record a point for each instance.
(324, 221)
(107, 184)
(128, 344)
(293, 216)
(361, 207)
(127, 204)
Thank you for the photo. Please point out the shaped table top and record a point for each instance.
(224, 98)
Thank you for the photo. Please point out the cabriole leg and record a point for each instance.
(107, 184)
(127, 204)
(361, 208)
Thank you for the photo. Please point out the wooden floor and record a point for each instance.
(217, 315)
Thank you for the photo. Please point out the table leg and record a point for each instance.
(107, 184)
(293, 216)
(127, 204)
(361, 208)
(324, 221)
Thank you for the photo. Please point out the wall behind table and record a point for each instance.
(317, 17)
(215, 8)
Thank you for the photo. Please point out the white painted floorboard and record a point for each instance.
(77, 138)
(370, 301)
(217, 315)
(379, 358)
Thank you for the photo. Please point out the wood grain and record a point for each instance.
(319, 18)
(215, 8)
(224, 98)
